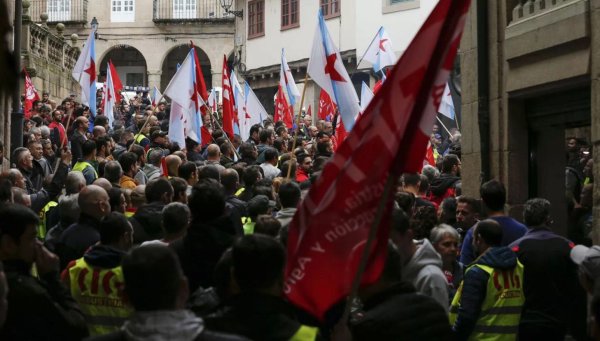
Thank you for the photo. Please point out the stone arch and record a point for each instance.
(129, 62)
(177, 55)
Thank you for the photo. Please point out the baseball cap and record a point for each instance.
(260, 204)
(588, 259)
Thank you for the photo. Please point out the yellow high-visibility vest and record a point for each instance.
(42, 230)
(501, 309)
(97, 291)
(80, 166)
(305, 333)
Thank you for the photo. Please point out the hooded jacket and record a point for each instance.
(285, 216)
(424, 271)
(443, 187)
(475, 286)
(77, 238)
(147, 222)
(400, 313)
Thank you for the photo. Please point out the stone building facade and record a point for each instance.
(542, 75)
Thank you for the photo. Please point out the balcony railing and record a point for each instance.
(525, 9)
(64, 11)
(188, 10)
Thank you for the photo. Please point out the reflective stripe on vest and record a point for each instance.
(96, 290)
(80, 166)
(139, 137)
(248, 225)
(305, 333)
(501, 308)
(42, 230)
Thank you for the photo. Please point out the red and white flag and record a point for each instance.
(227, 101)
(112, 90)
(31, 95)
(329, 231)
(326, 106)
(282, 109)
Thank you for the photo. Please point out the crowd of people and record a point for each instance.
(115, 233)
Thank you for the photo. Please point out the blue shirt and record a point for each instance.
(511, 231)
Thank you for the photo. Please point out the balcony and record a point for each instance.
(63, 11)
(165, 11)
(527, 9)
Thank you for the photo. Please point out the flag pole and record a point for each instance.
(297, 124)
(443, 125)
(371, 43)
(220, 127)
(143, 127)
(389, 184)
(62, 144)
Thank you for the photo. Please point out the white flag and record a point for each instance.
(181, 90)
(286, 80)
(250, 112)
(366, 95)
(84, 73)
(447, 104)
(380, 53)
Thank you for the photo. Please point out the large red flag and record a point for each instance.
(200, 84)
(282, 109)
(326, 106)
(117, 84)
(31, 95)
(227, 101)
(330, 228)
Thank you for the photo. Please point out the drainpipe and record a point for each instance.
(483, 88)
(16, 117)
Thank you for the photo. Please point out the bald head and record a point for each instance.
(213, 152)
(99, 131)
(230, 180)
(93, 200)
(104, 183)
(75, 182)
(173, 163)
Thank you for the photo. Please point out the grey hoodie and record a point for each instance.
(424, 271)
(174, 325)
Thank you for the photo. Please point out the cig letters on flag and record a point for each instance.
(328, 232)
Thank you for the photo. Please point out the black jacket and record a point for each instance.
(77, 239)
(40, 198)
(400, 313)
(77, 141)
(40, 309)
(440, 185)
(34, 178)
(202, 247)
(553, 296)
(147, 222)
(257, 317)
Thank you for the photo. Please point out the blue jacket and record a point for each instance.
(475, 287)
(511, 231)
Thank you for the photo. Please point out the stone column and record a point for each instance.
(217, 79)
(595, 108)
(154, 78)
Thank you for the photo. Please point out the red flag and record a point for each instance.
(31, 95)
(330, 228)
(340, 134)
(200, 84)
(164, 168)
(429, 156)
(309, 111)
(227, 101)
(206, 136)
(282, 109)
(326, 106)
(117, 84)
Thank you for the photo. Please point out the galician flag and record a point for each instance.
(286, 81)
(31, 95)
(447, 105)
(109, 96)
(227, 101)
(380, 53)
(250, 112)
(155, 96)
(326, 68)
(212, 100)
(84, 73)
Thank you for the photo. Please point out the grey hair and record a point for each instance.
(537, 211)
(113, 171)
(45, 131)
(74, 183)
(35, 130)
(68, 208)
(442, 230)
(430, 172)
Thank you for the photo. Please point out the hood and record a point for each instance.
(425, 255)
(175, 325)
(441, 184)
(287, 212)
(104, 256)
(498, 258)
(150, 216)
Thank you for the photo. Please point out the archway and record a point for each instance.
(177, 56)
(129, 63)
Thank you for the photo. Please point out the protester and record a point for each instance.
(147, 219)
(445, 239)
(176, 219)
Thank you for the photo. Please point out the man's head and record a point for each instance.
(94, 201)
(176, 219)
(36, 150)
(189, 172)
(18, 234)
(411, 182)
(23, 159)
(82, 123)
(493, 195)
(271, 156)
(16, 178)
(101, 121)
(230, 180)
(258, 264)
(451, 165)
(47, 150)
(154, 157)
(173, 162)
(154, 279)
(159, 137)
(98, 131)
(116, 231)
(113, 171)
(75, 182)
(467, 212)
(537, 212)
(207, 201)
(401, 234)
(57, 115)
(486, 234)
(140, 152)
(159, 190)
(289, 194)
(267, 136)
(305, 162)
(89, 150)
(252, 175)
(129, 163)
(254, 132)
(209, 172)
(179, 189)
(213, 152)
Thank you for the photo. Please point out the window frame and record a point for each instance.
(388, 7)
(290, 14)
(329, 4)
(184, 13)
(253, 18)
(58, 10)
(122, 15)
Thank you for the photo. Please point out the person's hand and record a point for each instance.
(45, 260)
(66, 156)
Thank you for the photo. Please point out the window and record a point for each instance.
(59, 10)
(289, 14)
(330, 8)
(122, 11)
(390, 6)
(184, 9)
(256, 18)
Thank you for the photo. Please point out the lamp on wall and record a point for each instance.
(94, 24)
(226, 5)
